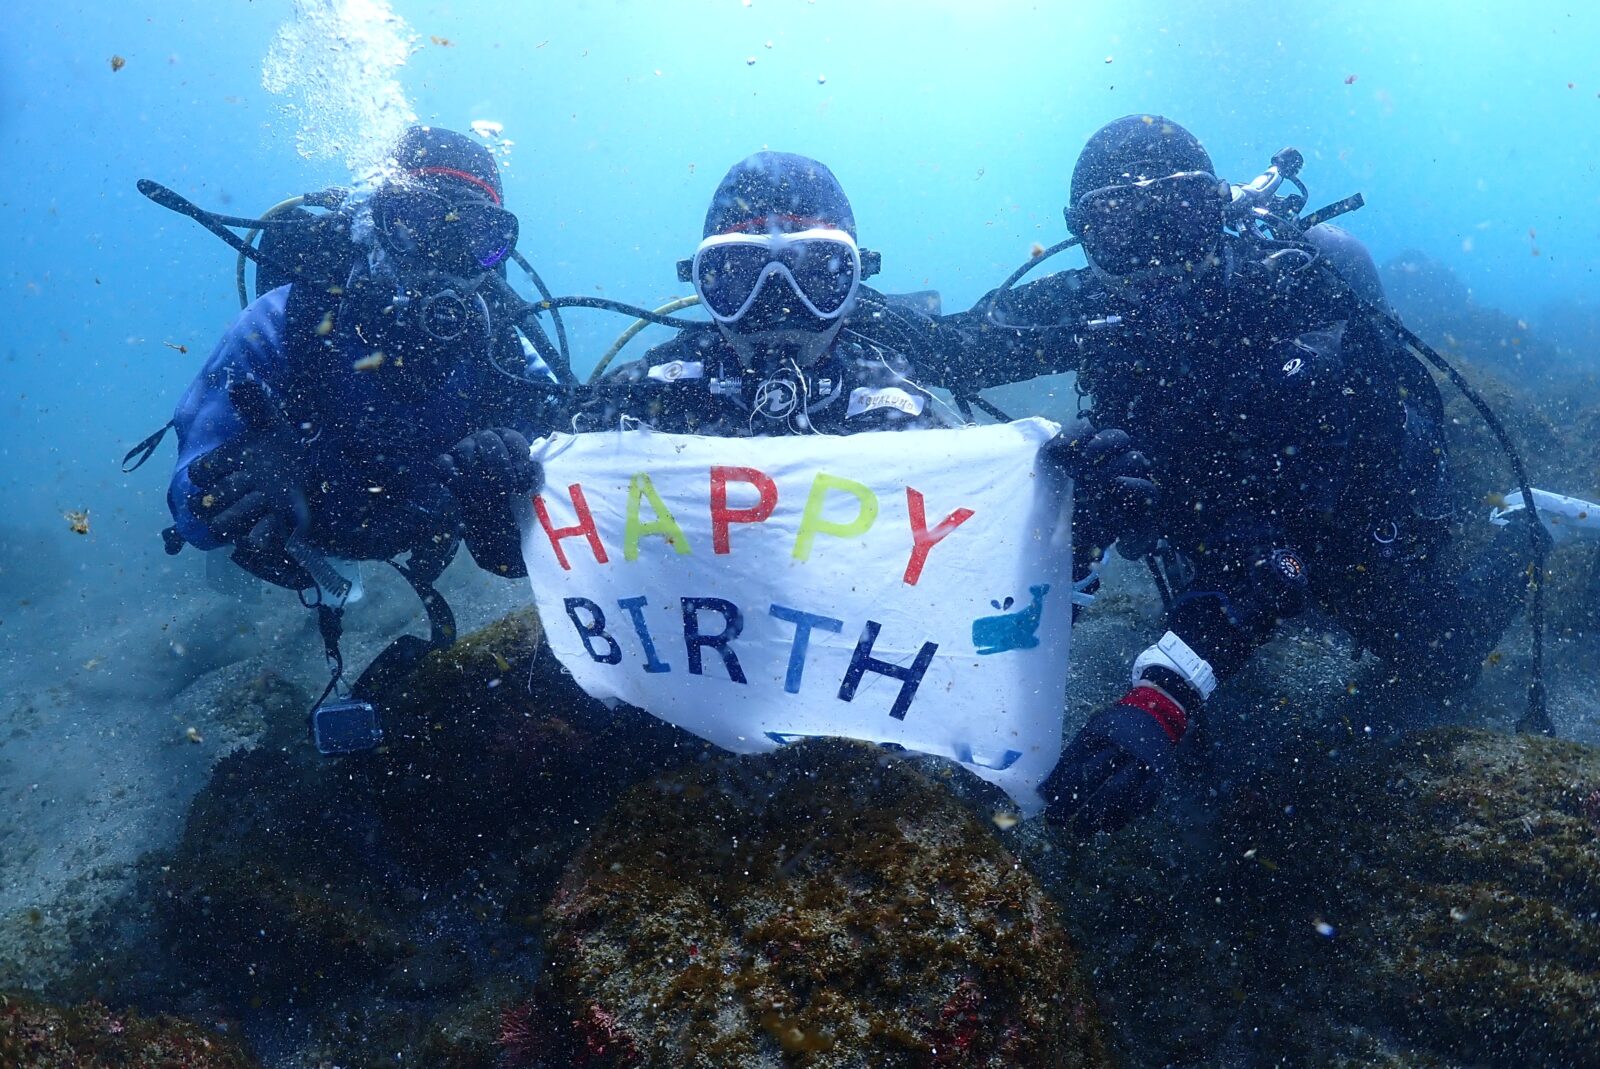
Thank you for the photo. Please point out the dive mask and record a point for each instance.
(1150, 223)
(822, 266)
(459, 232)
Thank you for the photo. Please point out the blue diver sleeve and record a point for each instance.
(255, 347)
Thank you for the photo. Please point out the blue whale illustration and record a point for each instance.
(1012, 630)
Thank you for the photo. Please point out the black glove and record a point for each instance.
(486, 468)
(246, 493)
(483, 472)
(1114, 499)
(1115, 769)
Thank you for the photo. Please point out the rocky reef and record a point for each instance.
(1427, 901)
(34, 1035)
(396, 895)
(825, 906)
(513, 881)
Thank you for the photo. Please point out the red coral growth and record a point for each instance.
(1591, 807)
(519, 1034)
(603, 1039)
(960, 1024)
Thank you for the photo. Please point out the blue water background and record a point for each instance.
(1472, 129)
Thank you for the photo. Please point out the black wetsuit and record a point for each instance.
(1298, 448)
(865, 381)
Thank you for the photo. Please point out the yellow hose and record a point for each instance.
(250, 239)
(635, 327)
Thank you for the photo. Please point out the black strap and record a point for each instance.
(398, 659)
(330, 622)
(966, 400)
(1333, 211)
(145, 449)
(402, 656)
(441, 620)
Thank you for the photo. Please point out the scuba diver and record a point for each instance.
(796, 343)
(374, 412)
(1245, 362)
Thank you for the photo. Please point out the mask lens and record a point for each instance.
(824, 270)
(487, 232)
(725, 276)
(458, 237)
(1160, 223)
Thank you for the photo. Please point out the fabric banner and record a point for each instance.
(909, 588)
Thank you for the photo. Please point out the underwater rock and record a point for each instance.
(491, 752)
(370, 897)
(495, 759)
(825, 906)
(90, 1036)
(271, 893)
(1467, 885)
(1427, 901)
(1431, 299)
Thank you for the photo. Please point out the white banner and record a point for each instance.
(911, 588)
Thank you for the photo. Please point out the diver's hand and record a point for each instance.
(485, 469)
(246, 494)
(239, 484)
(1115, 769)
(1115, 499)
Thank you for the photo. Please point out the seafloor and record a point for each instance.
(1344, 873)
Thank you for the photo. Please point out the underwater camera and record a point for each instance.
(345, 727)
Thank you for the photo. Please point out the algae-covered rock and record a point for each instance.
(492, 752)
(823, 906)
(369, 896)
(1467, 884)
(271, 892)
(90, 1036)
(1428, 901)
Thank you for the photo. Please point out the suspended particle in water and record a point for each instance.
(1110, 59)
(117, 63)
(77, 520)
(1004, 819)
(194, 736)
(1035, 251)
(1324, 929)
(442, 42)
(822, 79)
(749, 61)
